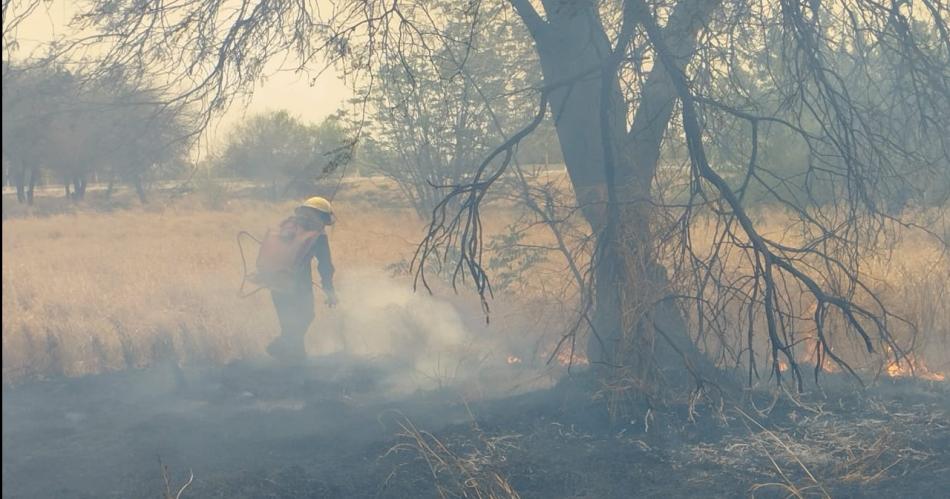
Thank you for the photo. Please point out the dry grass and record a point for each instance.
(817, 452)
(88, 290)
(465, 469)
(91, 291)
(909, 272)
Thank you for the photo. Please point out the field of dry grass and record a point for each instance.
(89, 292)
(93, 290)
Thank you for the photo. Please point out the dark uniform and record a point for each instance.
(295, 309)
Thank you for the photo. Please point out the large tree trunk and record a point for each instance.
(111, 187)
(32, 172)
(79, 186)
(639, 335)
(140, 189)
(20, 180)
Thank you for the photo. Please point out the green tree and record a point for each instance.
(33, 100)
(71, 128)
(439, 110)
(283, 151)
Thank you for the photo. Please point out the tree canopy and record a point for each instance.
(282, 150)
(57, 122)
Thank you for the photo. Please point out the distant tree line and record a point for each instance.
(291, 157)
(58, 126)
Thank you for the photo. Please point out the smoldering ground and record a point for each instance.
(329, 430)
(425, 341)
(384, 355)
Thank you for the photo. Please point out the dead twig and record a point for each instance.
(168, 488)
(472, 474)
(790, 453)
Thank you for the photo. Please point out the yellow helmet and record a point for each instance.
(320, 204)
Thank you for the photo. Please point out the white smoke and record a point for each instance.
(381, 318)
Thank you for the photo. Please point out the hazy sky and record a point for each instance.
(286, 90)
(282, 90)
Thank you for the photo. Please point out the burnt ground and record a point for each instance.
(330, 430)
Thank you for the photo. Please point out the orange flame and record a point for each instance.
(565, 358)
(912, 366)
(811, 346)
(513, 359)
(811, 357)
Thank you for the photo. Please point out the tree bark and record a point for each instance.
(140, 190)
(29, 193)
(110, 188)
(79, 187)
(20, 180)
(639, 334)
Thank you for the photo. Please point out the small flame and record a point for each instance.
(912, 366)
(513, 359)
(811, 357)
(564, 356)
(811, 347)
(567, 359)
(826, 367)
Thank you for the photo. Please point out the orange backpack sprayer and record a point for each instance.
(283, 250)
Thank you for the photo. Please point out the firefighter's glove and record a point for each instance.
(332, 299)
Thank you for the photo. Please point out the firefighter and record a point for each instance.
(294, 306)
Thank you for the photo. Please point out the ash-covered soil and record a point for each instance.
(337, 429)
